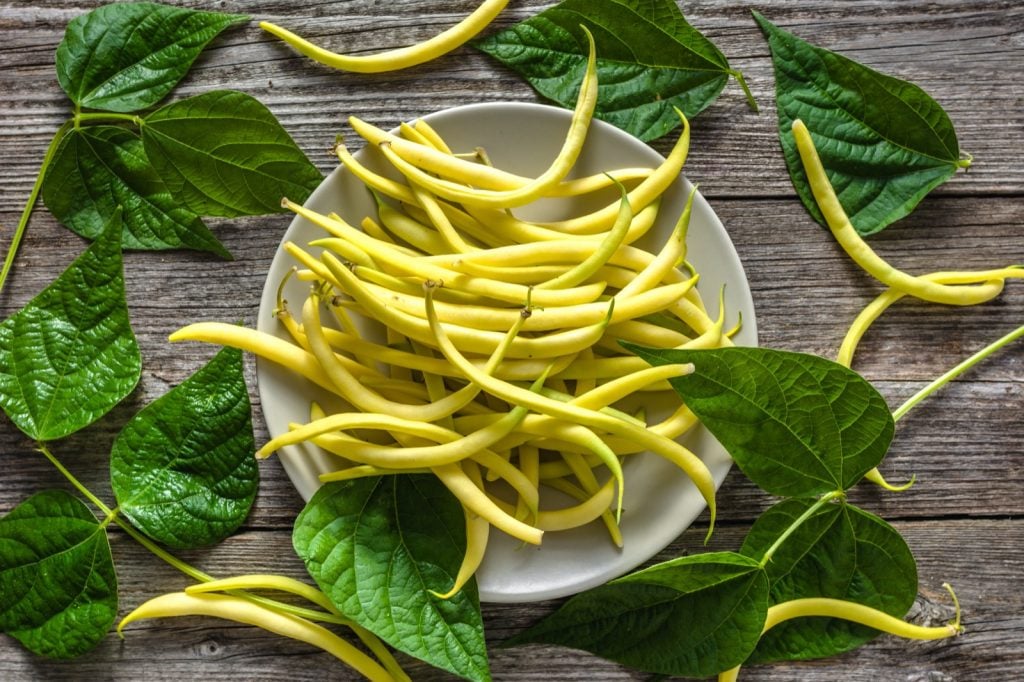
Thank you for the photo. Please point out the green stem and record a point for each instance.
(33, 196)
(173, 561)
(957, 371)
(99, 504)
(811, 511)
(751, 102)
(99, 117)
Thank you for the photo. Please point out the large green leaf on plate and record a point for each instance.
(883, 141)
(69, 355)
(650, 60)
(694, 616)
(796, 424)
(223, 153)
(376, 546)
(183, 469)
(840, 552)
(98, 168)
(127, 56)
(58, 590)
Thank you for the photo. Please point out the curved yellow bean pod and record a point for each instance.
(536, 188)
(855, 246)
(855, 613)
(266, 346)
(474, 499)
(244, 611)
(652, 187)
(280, 583)
(582, 271)
(400, 58)
(590, 509)
(477, 533)
(988, 280)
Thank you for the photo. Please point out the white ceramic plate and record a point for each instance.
(660, 501)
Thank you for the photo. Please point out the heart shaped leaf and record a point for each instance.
(694, 616)
(58, 590)
(840, 552)
(796, 424)
(884, 142)
(99, 168)
(69, 355)
(375, 546)
(223, 153)
(127, 56)
(183, 469)
(649, 60)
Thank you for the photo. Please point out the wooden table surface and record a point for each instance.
(964, 519)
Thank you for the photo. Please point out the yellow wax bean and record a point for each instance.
(431, 135)
(477, 533)
(309, 593)
(399, 58)
(528, 459)
(435, 161)
(590, 509)
(536, 188)
(474, 499)
(643, 333)
(408, 229)
(361, 451)
(440, 220)
(584, 474)
(258, 343)
(244, 611)
(451, 446)
(650, 189)
(528, 275)
(992, 280)
(855, 246)
(617, 389)
(856, 613)
(672, 252)
(582, 271)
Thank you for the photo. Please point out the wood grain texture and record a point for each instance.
(964, 519)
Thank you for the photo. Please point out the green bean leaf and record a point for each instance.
(58, 590)
(840, 552)
(183, 469)
(649, 60)
(796, 424)
(99, 168)
(883, 141)
(375, 546)
(694, 616)
(128, 56)
(223, 153)
(69, 356)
